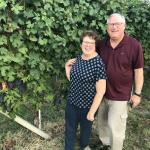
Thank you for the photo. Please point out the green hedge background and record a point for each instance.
(38, 36)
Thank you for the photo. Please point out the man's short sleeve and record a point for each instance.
(138, 56)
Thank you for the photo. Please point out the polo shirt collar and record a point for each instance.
(122, 42)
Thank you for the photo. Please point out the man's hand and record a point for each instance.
(70, 62)
(68, 67)
(135, 100)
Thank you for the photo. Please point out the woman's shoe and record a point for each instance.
(87, 148)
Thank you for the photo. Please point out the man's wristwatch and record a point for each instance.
(139, 95)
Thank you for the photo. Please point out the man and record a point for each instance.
(123, 57)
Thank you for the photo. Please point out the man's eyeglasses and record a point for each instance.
(117, 24)
(90, 43)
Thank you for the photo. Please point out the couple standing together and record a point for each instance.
(101, 80)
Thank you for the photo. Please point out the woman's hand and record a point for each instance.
(90, 116)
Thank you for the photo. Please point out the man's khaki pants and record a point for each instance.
(112, 116)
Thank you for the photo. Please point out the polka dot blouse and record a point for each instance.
(83, 77)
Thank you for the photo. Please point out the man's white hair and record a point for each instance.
(117, 15)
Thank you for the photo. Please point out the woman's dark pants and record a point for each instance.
(73, 117)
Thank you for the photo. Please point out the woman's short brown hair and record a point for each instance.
(90, 33)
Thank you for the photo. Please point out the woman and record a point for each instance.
(87, 86)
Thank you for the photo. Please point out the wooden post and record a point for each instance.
(40, 120)
(28, 125)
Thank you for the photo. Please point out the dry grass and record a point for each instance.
(23, 139)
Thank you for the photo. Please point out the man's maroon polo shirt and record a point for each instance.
(120, 64)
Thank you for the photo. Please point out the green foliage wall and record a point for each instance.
(38, 36)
